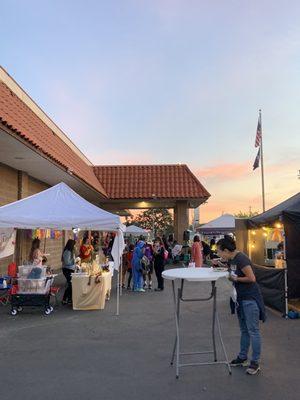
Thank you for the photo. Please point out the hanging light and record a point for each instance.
(253, 245)
(265, 234)
(253, 232)
(278, 225)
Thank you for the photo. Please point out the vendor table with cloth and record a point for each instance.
(196, 275)
(87, 293)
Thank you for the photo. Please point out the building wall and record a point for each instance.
(8, 194)
(9, 185)
(13, 185)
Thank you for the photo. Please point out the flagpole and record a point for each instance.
(262, 167)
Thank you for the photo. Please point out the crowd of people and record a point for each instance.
(142, 259)
(139, 263)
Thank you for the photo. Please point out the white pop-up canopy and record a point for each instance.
(136, 230)
(223, 224)
(59, 207)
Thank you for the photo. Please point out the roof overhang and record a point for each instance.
(18, 154)
(148, 203)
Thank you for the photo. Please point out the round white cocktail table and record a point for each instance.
(196, 275)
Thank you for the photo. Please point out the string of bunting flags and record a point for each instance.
(43, 234)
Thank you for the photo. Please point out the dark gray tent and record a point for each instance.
(288, 213)
(291, 205)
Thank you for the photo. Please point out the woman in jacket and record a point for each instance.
(249, 303)
(68, 267)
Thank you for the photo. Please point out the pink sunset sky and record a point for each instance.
(169, 81)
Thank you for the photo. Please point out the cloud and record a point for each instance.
(234, 187)
(224, 171)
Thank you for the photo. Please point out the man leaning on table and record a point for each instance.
(248, 301)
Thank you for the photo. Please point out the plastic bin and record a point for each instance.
(34, 286)
(25, 270)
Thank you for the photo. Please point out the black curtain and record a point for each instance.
(271, 283)
(291, 222)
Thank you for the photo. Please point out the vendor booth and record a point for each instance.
(225, 224)
(273, 246)
(136, 231)
(59, 207)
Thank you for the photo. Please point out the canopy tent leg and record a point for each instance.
(118, 294)
(286, 296)
(285, 277)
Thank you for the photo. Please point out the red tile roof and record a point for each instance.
(150, 181)
(16, 115)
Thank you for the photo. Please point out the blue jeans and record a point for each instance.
(248, 315)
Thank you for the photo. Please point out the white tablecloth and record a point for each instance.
(91, 296)
(194, 274)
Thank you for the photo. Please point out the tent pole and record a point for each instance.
(45, 241)
(118, 284)
(285, 277)
(118, 294)
(286, 293)
(121, 271)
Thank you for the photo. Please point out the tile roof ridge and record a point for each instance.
(139, 165)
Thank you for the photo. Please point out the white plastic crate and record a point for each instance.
(34, 286)
(24, 270)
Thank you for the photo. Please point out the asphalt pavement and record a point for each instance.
(89, 355)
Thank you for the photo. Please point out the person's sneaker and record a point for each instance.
(141, 290)
(253, 368)
(158, 289)
(238, 362)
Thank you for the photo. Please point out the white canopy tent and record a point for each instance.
(136, 230)
(223, 224)
(59, 207)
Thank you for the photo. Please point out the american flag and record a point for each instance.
(258, 133)
(256, 161)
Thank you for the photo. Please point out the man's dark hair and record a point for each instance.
(227, 243)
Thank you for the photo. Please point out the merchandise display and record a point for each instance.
(91, 286)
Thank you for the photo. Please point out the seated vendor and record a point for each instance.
(35, 255)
